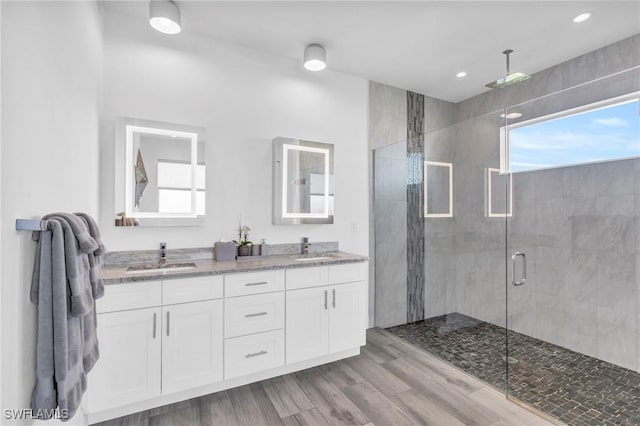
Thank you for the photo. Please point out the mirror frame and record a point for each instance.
(125, 128)
(281, 148)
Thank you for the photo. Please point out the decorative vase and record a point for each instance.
(256, 250)
(244, 250)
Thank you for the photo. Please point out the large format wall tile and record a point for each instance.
(616, 335)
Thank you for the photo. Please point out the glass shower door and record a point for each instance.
(573, 251)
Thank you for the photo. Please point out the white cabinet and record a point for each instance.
(147, 352)
(347, 316)
(191, 345)
(307, 326)
(324, 320)
(162, 341)
(129, 365)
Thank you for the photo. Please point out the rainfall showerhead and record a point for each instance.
(510, 78)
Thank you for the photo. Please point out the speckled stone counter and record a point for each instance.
(119, 275)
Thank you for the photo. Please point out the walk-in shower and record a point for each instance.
(531, 254)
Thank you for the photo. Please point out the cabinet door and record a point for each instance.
(191, 345)
(128, 369)
(347, 328)
(307, 324)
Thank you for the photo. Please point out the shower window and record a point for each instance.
(603, 131)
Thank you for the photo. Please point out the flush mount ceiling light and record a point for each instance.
(461, 74)
(315, 58)
(164, 16)
(582, 17)
(511, 115)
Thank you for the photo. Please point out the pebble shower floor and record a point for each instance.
(574, 388)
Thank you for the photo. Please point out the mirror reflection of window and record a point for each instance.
(317, 193)
(174, 187)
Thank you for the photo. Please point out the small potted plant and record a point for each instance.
(243, 243)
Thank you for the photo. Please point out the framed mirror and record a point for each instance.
(160, 174)
(303, 182)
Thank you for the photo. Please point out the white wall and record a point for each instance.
(243, 98)
(51, 58)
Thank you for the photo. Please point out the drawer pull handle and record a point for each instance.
(258, 283)
(258, 314)
(255, 354)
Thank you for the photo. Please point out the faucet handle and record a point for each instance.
(305, 240)
(163, 246)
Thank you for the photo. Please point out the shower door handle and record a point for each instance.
(513, 269)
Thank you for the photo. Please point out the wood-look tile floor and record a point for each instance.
(390, 383)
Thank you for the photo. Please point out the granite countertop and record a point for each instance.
(118, 274)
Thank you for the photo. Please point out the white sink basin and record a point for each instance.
(312, 259)
(169, 267)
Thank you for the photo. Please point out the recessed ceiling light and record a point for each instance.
(461, 74)
(582, 17)
(315, 57)
(511, 115)
(164, 16)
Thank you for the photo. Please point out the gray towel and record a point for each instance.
(85, 240)
(95, 258)
(63, 288)
(94, 231)
(60, 379)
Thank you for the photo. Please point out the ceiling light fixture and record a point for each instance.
(164, 16)
(461, 74)
(582, 17)
(511, 115)
(315, 57)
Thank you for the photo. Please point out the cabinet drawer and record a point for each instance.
(120, 297)
(191, 289)
(253, 283)
(253, 314)
(307, 277)
(253, 353)
(347, 273)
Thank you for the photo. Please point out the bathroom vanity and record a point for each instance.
(170, 336)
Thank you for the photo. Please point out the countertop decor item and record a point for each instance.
(225, 250)
(243, 243)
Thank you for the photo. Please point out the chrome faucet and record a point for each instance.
(163, 253)
(305, 245)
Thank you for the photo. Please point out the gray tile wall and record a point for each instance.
(583, 258)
